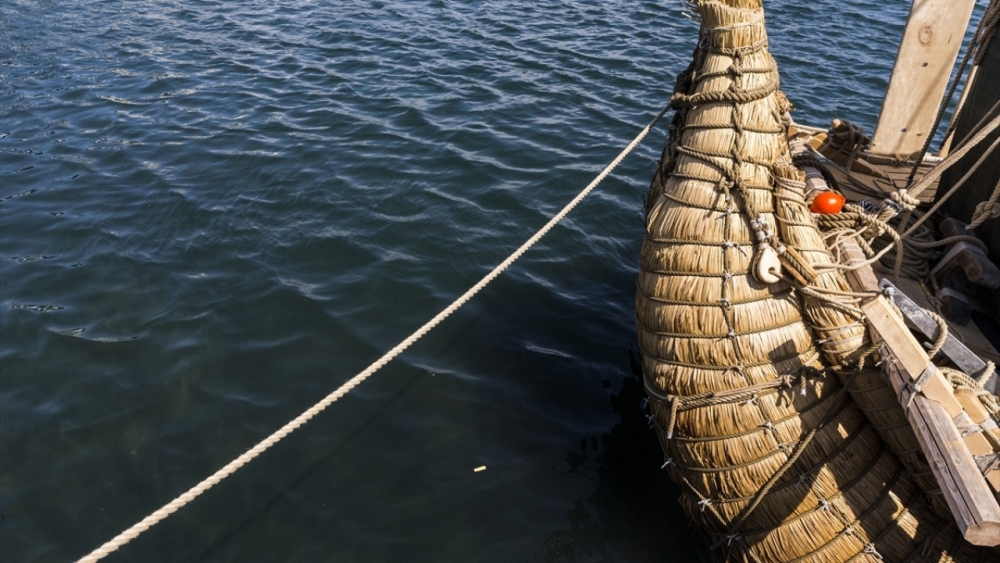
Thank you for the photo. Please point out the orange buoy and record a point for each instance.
(828, 203)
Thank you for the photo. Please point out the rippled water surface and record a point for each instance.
(214, 213)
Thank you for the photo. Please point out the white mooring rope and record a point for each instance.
(174, 505)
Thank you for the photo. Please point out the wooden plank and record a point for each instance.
(971, 497)
(927, 53)
(959, 349)
(970, 335)
(910, 355)
(968, 496)
(971, 502)
(881, 178)
(977, 412)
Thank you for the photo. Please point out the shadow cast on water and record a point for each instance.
(633, 515)
(214, 551)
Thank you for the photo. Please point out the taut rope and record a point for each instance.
(231, 467)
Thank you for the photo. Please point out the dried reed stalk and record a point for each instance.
(774, 462)
(838, 321)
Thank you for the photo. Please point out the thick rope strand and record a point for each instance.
(952, 158)
(231, 467)
(897, 242)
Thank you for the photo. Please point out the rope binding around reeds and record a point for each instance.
(752, 340)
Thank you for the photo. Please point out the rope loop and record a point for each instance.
(903, 199)
(681, 100)
(989, 209)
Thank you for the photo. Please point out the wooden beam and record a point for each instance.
(927, 53)
(970, 500)
(910, 355)
(931, 413)
(977, 412)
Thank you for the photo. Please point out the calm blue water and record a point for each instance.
(213, 213)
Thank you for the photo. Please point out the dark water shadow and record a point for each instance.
(633, 515)
(214, 551)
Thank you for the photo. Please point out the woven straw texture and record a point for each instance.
(774, 460)
(838, 322)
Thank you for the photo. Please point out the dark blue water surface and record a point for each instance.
(214, 213)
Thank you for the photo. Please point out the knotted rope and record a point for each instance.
(989, 209)
(946, 101)
(921, 185)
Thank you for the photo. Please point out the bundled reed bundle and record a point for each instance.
(832, 310)
(774, 460)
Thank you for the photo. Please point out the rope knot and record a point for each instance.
(905, 200)
(679, 101)
(870, 550)
(784, 448)
(987, 462)
(984, 211)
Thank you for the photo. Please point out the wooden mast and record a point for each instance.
(927, 53)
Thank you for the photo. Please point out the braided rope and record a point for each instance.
(231, 467)
(991, 18)
(942, 334)
(686, 101)
(989, 209)
(952, 158)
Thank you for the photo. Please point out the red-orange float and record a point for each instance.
(828, 203)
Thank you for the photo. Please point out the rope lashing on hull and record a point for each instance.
(231, 467)
(912, 245)
(770, 476)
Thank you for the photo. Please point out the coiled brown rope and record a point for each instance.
(925, 181)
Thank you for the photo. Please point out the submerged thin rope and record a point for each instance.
(231, 467)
